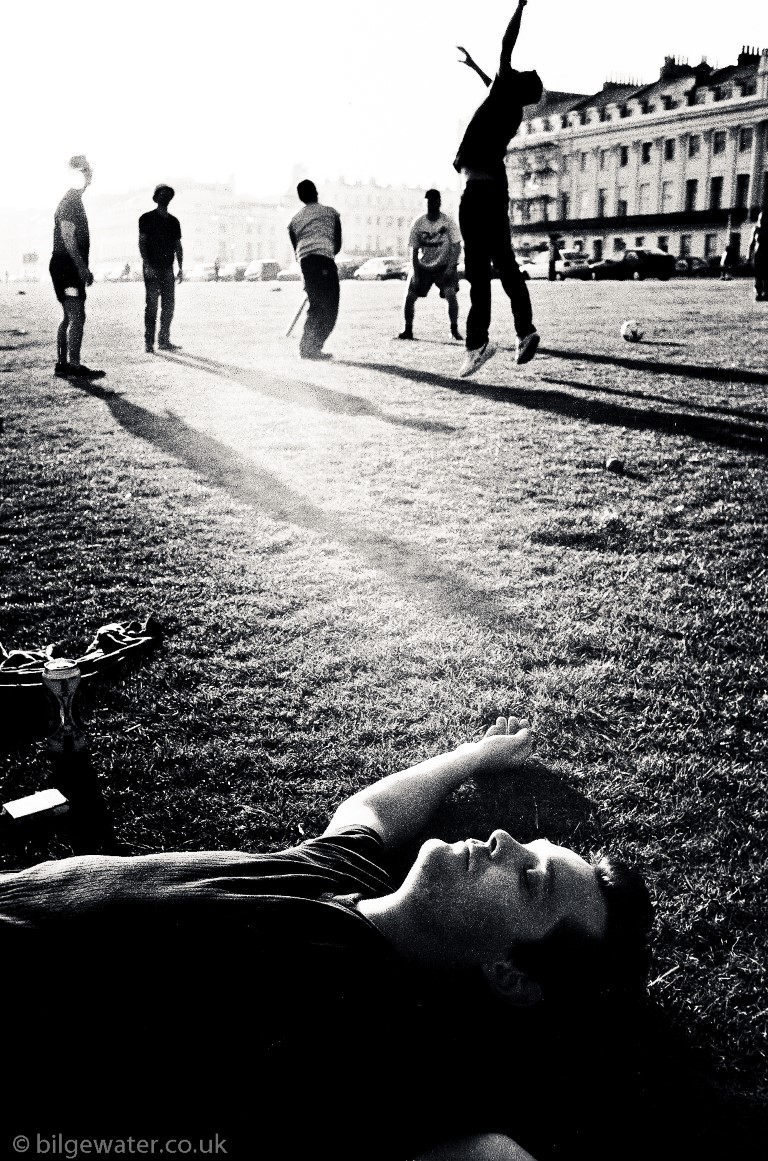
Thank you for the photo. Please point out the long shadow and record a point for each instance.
(712, 408)
(687, 370)
(753, 439)
(305, 394)
(246, 481)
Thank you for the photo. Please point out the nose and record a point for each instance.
(503, 846)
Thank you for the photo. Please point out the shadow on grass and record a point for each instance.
(739, 436)
(710, 408)
(685, 370)
(243, 479)
(304, 394)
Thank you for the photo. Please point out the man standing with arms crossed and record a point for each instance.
(159, 243)
(435, 243)
(484, 209)
(315, 233)
(70, 274)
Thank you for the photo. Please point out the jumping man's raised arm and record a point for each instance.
(509, 40)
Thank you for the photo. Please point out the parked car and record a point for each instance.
(535, 265)
(347, 266)
(232, 272)
(291, 273)
(381, 269)
(637, 264)
(262, 270)
(570, 260)
(203, 272)
(698, 267)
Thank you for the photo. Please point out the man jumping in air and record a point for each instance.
(435, 244)
(484, 209)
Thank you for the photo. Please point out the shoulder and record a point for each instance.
(147, 219)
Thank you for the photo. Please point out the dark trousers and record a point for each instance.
(484, 221)
(761, 277)
(159, 286)
(321, 282)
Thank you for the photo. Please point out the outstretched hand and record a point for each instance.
(467, 58)
(505, 744)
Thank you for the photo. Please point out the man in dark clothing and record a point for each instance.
(306, 1002)
(484, 207)
(758, 250)
(70, 274)
(159, 244)
(315, 233)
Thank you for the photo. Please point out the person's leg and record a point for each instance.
(477, 264)
(152, 294)
(408, 312)
(167, 304)
(515, 286)
(74, 309)
(61, 340)
(453, 310)
(329, 300)
(309, 346)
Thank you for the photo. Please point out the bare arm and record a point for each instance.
(399, 806)
(68, 234)
(470, 63)
(455, 251)
(180, 259)
(509, 40)
(292, 236)
(337, 235)
(483, 1147)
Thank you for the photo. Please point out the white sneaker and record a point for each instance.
(473, 360)
(527, 347)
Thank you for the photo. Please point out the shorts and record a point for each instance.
(423, 279)
(66, 281)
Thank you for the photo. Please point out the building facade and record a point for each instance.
(376, 219)
(679, 164)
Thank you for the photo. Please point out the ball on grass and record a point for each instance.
(630, 331)
(614, 464)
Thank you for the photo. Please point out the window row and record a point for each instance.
(669, 149)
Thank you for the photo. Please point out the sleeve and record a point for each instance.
(355, 857)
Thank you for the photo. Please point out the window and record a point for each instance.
(667, 197)
(685, 245)
(583, 117)
(663, 242)
(623, 110)
(584, 157)
(646, 106)
(710, 245)
(603, 113)
(619, 245)
(621, 206)
(645, 152)
(640, 241)
(691, 193)
(694, 145)
(718, 141)
(567, 163)
(716, 193)
(597, 248)
(565, 205)
(603, 157)
(643, 199)
(748, 88)
(742, 190)
(623, 155)
(745, 139)
(602, 202)
(669, 149)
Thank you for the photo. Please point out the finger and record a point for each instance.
(513, 725)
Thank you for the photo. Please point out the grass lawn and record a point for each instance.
(361, 563)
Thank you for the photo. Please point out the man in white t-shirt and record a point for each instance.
(315, 233)
(435, 243)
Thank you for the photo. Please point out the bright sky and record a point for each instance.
(153, 91)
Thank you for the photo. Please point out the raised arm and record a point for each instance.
(399, 806)
(509, 39)
(472, 64)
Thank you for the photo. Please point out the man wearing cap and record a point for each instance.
(159, 244)
(70, 274)
(435, 243)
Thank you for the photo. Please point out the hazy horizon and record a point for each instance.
(148, 92)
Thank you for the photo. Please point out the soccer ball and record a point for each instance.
(630, 331)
